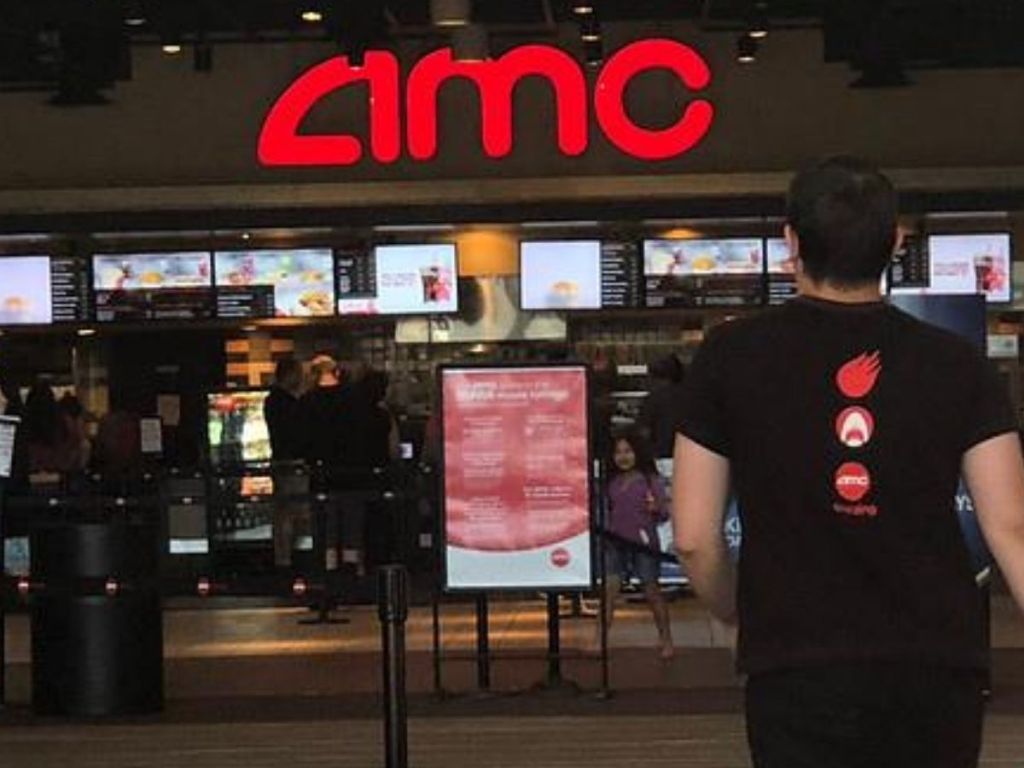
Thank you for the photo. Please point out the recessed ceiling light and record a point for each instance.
(312, 16)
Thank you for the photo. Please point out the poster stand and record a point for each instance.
(518, 506)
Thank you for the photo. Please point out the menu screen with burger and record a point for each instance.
(153, 286)
(40, 290)
(399, 280)
(578, 274)
(703, 273)
(268, 284)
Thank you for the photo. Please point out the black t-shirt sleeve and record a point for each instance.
(703, 414)
(989, 412)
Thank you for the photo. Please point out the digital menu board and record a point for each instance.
(703, 273)
(781, 271)
(578, 274)
(236, 428)
(398, 280)
(516, 478)
(153, 286)
(909, 268)
(977, 263)
(268, 283)
(39, 290)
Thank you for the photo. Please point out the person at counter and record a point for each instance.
(282, 411)
(844, 426)
(659, 416)
(52, 446)
(327, 415)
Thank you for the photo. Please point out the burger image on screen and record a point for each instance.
(564, 293)
(15, 309)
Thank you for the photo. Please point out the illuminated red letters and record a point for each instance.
(282, 144)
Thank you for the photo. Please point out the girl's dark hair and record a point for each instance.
(641, 449)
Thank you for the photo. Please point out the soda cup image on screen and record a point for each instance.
(437, 288)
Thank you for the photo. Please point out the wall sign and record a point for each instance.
(282, 144)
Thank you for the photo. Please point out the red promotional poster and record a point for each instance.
(517, 478)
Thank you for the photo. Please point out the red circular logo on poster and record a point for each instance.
(560, 557)
(853, 482)
(855, 426)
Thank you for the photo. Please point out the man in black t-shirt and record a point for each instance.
(282, 410)
(843, 425)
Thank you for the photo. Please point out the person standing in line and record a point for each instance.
(636, 506)
(844, 425)
(282, 411)
(327, 416)
(659, 416)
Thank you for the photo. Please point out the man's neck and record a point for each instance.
(825, 291)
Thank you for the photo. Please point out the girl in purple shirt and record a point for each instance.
(636, 505)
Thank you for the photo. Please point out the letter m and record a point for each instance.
(496, 82)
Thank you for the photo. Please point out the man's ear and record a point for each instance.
(793, 244)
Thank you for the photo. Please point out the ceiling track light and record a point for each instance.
(134, 14)
(450, 13)
(470, 43)
(590, 30)
(582, 8)
(759, 23)
(746, 49)
(312, 15)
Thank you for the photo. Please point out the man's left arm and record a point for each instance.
(700, 492)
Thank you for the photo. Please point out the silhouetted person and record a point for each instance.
(284, 416)
(659, 417)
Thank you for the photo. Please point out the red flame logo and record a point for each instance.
(857, 378)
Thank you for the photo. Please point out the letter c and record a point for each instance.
(626, 64)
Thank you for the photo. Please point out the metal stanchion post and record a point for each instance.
(393, 609)
(554, 642)
(483, 643)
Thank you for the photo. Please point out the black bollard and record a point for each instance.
(393, 608)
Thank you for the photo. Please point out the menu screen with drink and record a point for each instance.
(516, 478)
(578, 274)
(39, 290)
(970, 264)
(267, 284)
(153, 286)
(703, 273)
(399, 280)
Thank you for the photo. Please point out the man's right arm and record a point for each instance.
(994, 473)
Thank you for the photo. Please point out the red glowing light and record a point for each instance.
(281, 142)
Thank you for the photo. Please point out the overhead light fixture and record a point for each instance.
(758, 28)
(134, 14)
(590, 30)
(470, 43)
(85, 332)
(582, 7)
(312, 16)
(746, 49)
(450, 13)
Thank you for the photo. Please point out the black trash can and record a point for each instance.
(97, 628)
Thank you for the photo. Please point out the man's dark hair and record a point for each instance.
(844, 212)
(287, 367)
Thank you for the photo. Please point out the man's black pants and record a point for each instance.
(869, 715)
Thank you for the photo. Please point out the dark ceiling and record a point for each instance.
(83, 45)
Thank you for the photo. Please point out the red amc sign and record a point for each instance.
(282, 144)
